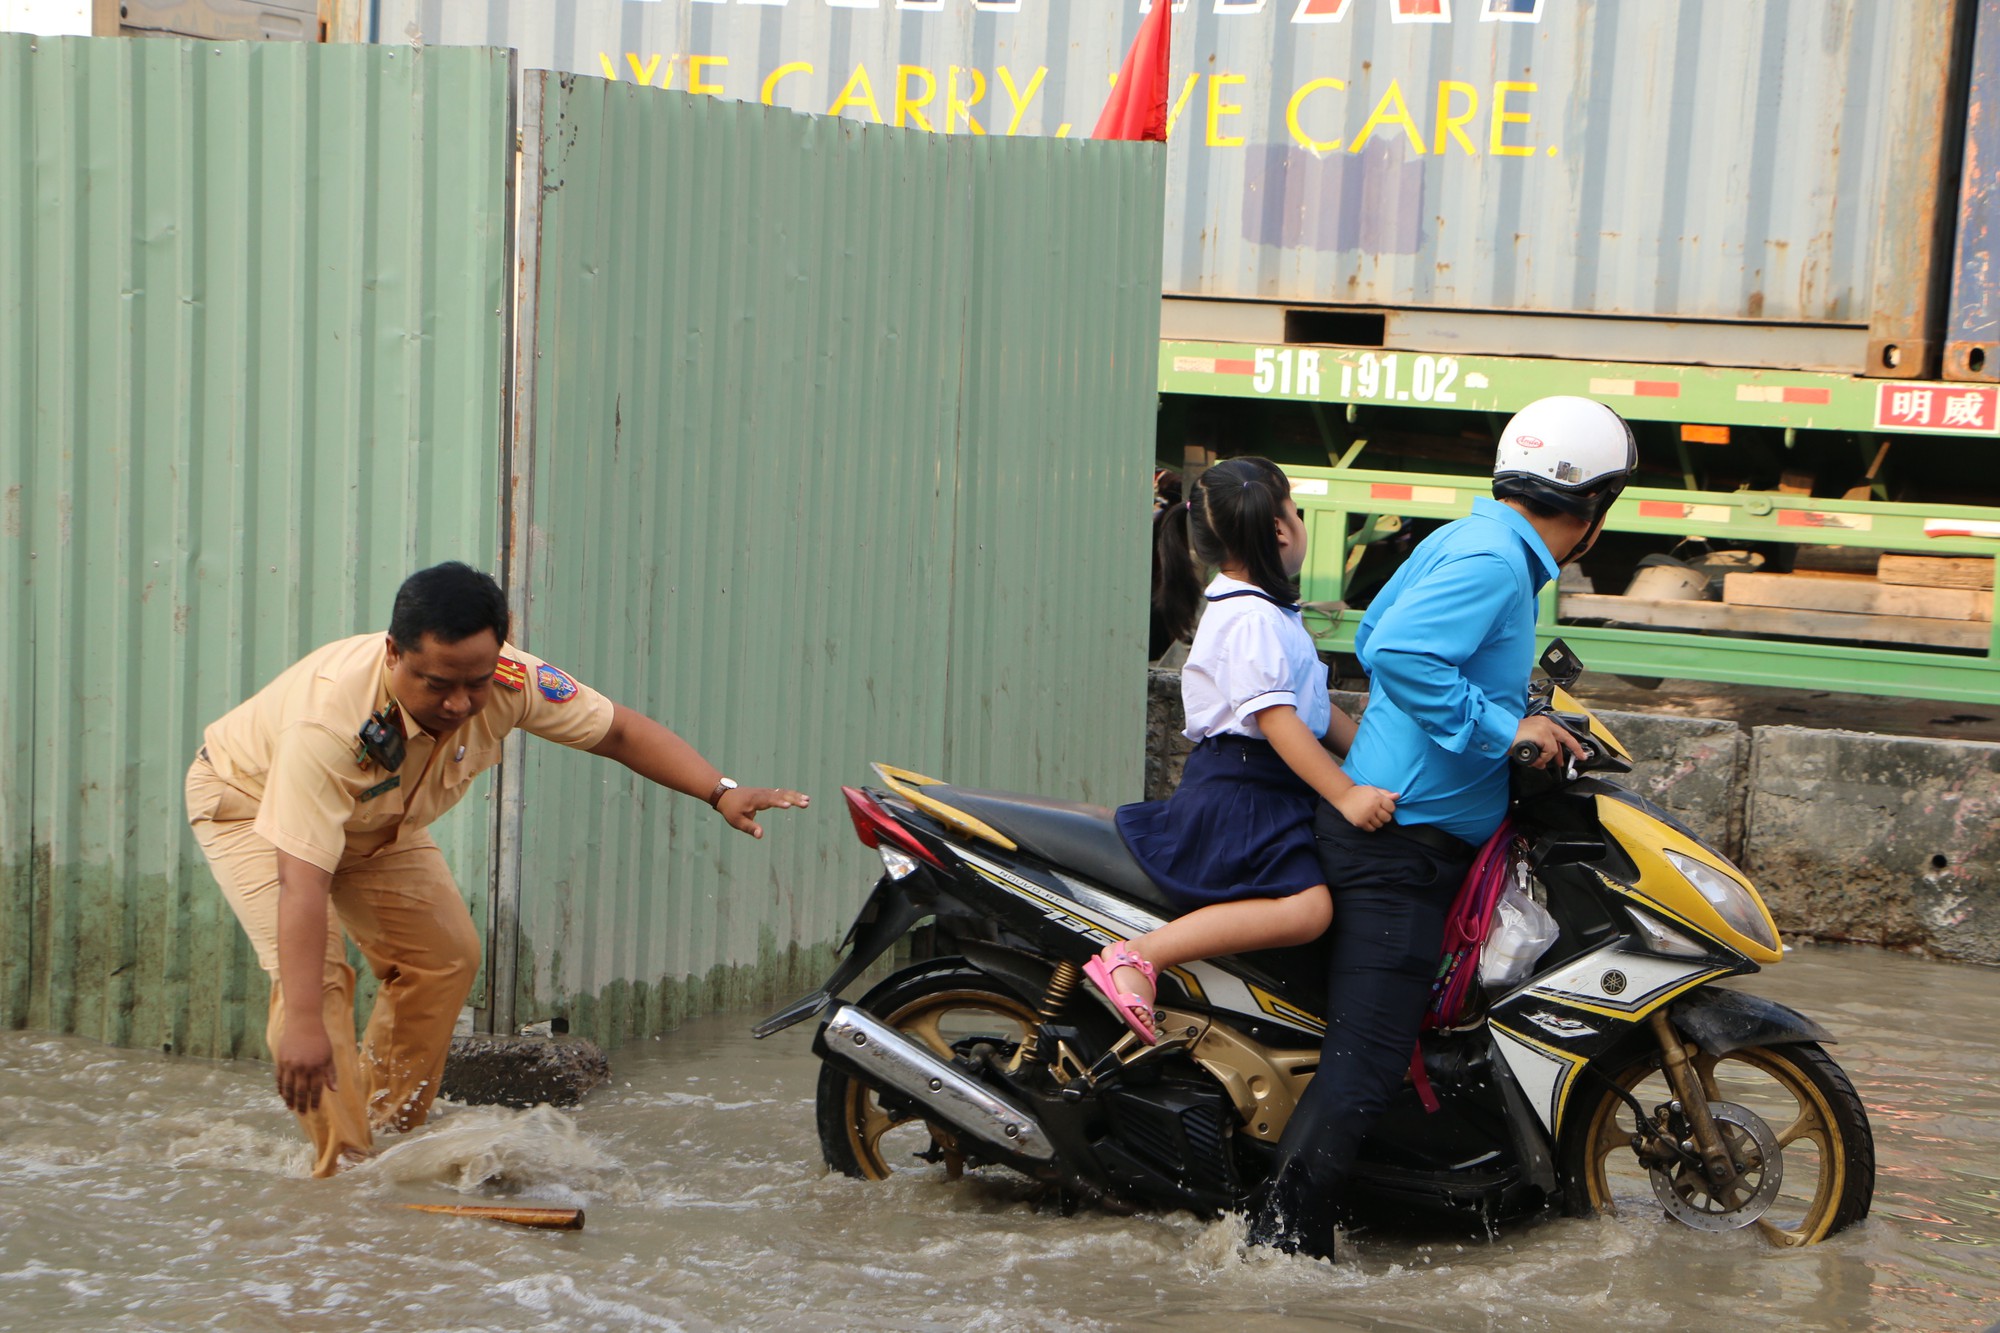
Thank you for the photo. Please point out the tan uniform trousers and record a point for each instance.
(404, 913)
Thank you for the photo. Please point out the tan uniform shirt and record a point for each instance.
(293, 749)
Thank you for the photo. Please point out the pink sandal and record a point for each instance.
(1137, 1013)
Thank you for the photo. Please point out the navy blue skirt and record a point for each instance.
(1238, 826)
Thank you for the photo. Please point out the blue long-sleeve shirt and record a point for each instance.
(1448, 645)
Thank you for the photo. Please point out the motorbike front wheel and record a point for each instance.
(1811, 1113)
(949, 1006)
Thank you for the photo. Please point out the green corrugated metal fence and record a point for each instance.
(1051, 559)
(840, 452)
(251, 356)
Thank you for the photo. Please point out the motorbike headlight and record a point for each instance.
(896, 862)
(1663, 938)
(1732, 900)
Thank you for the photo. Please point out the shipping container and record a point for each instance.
(1392, 222)
(1401, 172)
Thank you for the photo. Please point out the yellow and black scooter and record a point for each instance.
(1619, 1073)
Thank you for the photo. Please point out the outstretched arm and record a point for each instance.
(658, 755)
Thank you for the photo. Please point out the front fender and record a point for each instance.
(1721, 1021)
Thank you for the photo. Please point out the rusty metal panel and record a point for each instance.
(755, 447)
(250, 376)
(222, 20)
(1972, 348)
(1703, 160)
(1917, 190)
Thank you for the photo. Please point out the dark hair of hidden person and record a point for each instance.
(450, 602)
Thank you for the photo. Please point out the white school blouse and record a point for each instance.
(1248, 655)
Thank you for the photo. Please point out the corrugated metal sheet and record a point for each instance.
(770, 379)
(1051, 563)
(250, 376)
(1972, 349)
(1709, 159)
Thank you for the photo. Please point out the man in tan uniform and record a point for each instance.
(318, 791)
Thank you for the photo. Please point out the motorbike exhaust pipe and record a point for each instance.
(885, 1057)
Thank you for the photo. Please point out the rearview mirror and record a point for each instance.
(1561, 665)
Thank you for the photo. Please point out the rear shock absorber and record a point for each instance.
(1062, 982)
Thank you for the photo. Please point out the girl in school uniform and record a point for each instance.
(1233, 846)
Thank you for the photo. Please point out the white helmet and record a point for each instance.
(1573, 454)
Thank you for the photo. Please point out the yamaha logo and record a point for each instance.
(1613, 982)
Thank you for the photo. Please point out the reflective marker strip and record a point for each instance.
(1691, 513)
(1960, 527)
(1423, 495)
(1212, 365)
(1635, 388)
(1810, 518)
(1778, 393)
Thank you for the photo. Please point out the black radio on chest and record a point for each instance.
(382, 738)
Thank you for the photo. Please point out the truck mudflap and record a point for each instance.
(1721, 1021)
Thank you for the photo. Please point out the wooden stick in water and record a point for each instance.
(548, 1219)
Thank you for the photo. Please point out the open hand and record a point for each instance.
(305, 1065)
(741, 806)
(1367, 808)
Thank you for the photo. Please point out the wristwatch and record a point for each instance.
(715, 797)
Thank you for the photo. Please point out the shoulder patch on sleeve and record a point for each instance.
(554, 685)
(512, 674)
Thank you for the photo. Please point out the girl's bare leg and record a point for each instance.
(1238, 927)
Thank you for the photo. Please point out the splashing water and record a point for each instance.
(500, 1151)
(141, 1192)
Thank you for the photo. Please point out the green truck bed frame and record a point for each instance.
(1334, 497)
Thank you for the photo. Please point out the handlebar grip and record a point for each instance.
(1527, 752)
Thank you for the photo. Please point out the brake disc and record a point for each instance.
(1688, 1195)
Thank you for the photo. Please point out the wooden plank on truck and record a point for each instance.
(1864, 597)
(1937, 571)
(1776, 622)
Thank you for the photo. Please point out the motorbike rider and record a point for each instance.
(1448, 644)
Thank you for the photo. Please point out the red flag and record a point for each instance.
(1137, 107)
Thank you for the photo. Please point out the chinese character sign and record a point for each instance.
(1940, 407)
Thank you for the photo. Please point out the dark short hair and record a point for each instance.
(1539, 508)
(450, 602)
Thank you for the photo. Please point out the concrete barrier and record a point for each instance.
(1878, 839)
(1694, 768)
(1853, 836)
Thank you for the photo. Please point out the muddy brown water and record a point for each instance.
(140, 1192)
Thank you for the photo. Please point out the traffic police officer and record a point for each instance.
(317, 792)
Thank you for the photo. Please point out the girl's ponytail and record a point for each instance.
(1177, 582)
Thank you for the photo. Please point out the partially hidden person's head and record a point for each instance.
(1566, 458)
(444, 644)
(1241, 517)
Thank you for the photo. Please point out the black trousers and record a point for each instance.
(1390, 899)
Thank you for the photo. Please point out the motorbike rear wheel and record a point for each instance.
(1820, 1127)
(949, 1006)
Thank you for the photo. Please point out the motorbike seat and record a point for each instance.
(1069, 835)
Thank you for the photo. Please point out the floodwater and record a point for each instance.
(141, 1192)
